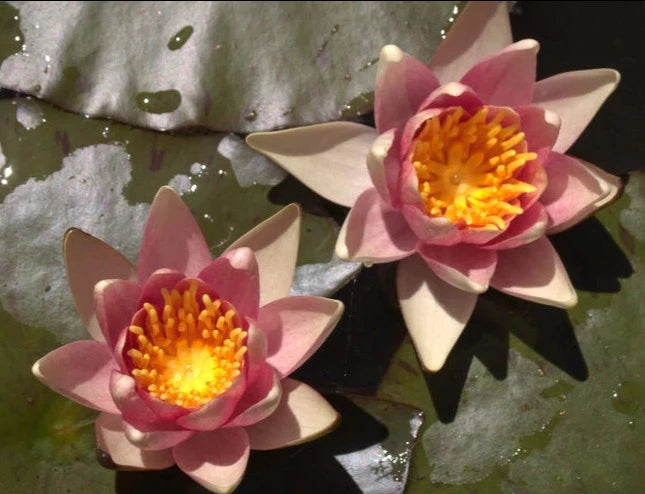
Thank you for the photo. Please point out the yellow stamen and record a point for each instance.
(187, 363)
(467, 168)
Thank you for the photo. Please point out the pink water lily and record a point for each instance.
(189, 359)
(464, 175)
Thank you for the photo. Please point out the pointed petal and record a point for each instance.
(80, 371)
(384, 167)
(132, 407)
(116, 302)
(235, 277)
(506, 78)
(402, 83)
(373, 232)
(162, 278)
(540, 126)
(463, 266)
(303, 415)
(275, 244)
(256, 344)
(154, 440)
(483, 28)
(534, 272)
(575, 97)
(328, 158)
(295, 328)
(430, 230)
(171, 238)
(524, 229)
(573, 191)
(216, 460)
(260, 399)
(111, 438)
(89, 260)
(449, 95)
(217, 411)
(434, 312)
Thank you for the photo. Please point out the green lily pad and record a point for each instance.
(535, 399)
(179, 64)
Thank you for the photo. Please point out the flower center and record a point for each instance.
(466, 166)
(191, 351)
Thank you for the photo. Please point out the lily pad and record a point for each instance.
(61, 170)
(183, 64)
(535, 399)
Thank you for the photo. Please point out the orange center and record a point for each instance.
(466, 167)
(190, 352)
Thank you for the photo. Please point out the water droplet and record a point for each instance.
(222, 173)
(369, 64)
(36, 88)
(251, 117)
(334, 29)
(368, 264)
(179, 39)
(347, 77)
(159, 102)
(287, 112)
(48, 58)
(17, 38)
(628, 397)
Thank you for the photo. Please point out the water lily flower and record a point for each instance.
(189, 359)
(464, 175)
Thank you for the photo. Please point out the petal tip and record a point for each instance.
(35, 370)
(390, 54)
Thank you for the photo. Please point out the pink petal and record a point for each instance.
(116, 302)
(575, 97)
(410, 131)
(540, 126)
(295, 329)
(132, 407)
(534, 272)
(303, 415)
(260, 399)
(463, 266)
(430, 229)
(235, 277)
(216, 460)
(171, 238)
(161, 278)
(166, 411)
(373, 232)
(275, 244)
(80, 371)
(434, 312)
(256, 345)
(111, 438)
(402, 83)
(384, 167)
(533, 173)
(572, 192)
(450, 95)
(217, 411)
(506, 78)
(483, 28)
(328, 158)
(524, 229)
(89, 260)
(154, 440)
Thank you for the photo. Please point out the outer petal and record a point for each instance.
(260, 399)
(217, 411)
(216, 460)
(303, 415)
(235, 277)
(89, 260)
(154, 440)
(540, 126)
(402, 83)
(328, 158)
(373, 232)
(295, 329)
(111, 438)
(463, 266)
(573, 191)
(171, 238)
(575, 97)
(524, 229)
(384, 166)
(434, 312)
(506, 78)
(483, 28)
(80, 371)
(275, 244)
(534, 272)
(116, 302)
